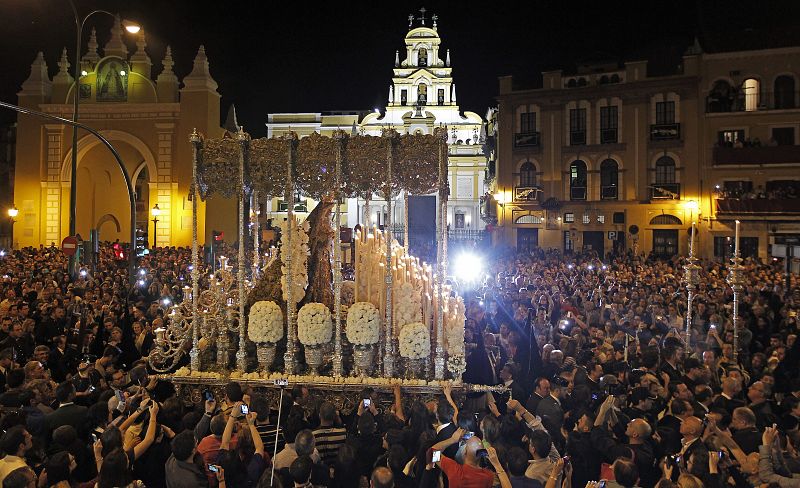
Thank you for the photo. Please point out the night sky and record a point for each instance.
(319, 56)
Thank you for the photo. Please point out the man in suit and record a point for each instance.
(761, 407)
(743, 421)
(551, 411)
(541, 390)
(669, 426)
(691, 442)
(67, 412)
(727, 399)
(446, 427)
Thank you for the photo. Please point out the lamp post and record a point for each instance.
(156, 212)
(12, 213)
(131, 27)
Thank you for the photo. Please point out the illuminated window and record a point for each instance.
(750, 87)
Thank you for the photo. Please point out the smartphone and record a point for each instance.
(367, 402)
(481, 453)
(601, 484)
(468, 435)
(595, 396)
(208, 396)
(437, 456)
(120, 395)
(245, 409)
(213, 469)
(91, 389)
(566, 459)
(94, 437)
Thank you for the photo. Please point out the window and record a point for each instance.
(665, 112)
(569, 218)
(527, 122)
(783, 136)
(403, 97)
(751, 95)
(527, 175)
(577, 126)
(298, 206)
(721, 97)
(568, 244)
(784, 92)
(730, 137)
(608, 125)
(665, 219)
(460, 220)
(577, 180)
(609, 177)
(422, 94)
(423, 57)
(724, 247)
(601, 219)
(665, 170)
(619, 217)
(440, 96)
(665, 242)
(587, 219)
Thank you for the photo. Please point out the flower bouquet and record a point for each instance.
(415, 346)
(407, 305)
(265, 328)
(362, 330)
(314, 329)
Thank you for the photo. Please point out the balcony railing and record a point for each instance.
(577, 193)
(664, 191)
(526, 193)
(577, 138)
(608, 136)
(757, 155)
(526, 139)
(762, 101)
(465, 235)
(663, 132)
(609, 192)
(762, 206)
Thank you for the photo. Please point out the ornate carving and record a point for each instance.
(219, 162)
(267, 164)
(315, 166)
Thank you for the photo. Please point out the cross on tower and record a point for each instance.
(434, 18)
(422, 16)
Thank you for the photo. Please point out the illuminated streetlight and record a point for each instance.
(155, 212)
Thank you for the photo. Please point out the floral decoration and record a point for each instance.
(415, 341)
(363, 324)
(299, 252)
(314, 324)
(265, 322)
(407, 303)
(456, 364)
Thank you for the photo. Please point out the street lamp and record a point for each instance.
(156, 212)
(12, 213)
(131, 27)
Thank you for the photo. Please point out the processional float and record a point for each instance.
(397, 308)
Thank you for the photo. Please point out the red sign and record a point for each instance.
(69, 245)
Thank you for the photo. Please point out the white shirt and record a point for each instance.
(439, 428)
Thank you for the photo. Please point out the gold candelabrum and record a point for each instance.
(172, 340)
(219, 309)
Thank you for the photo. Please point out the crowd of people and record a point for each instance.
(603, 387)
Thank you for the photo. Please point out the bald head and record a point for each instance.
(692, 427)
(640, 428)
(382, 478)
(471, 450)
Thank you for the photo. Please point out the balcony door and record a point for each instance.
(665, 242)
(527, 240)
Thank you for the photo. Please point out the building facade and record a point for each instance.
(148, 119)
(422, 97)
(613, 159)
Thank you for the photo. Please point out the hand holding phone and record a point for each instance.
(367, 403)
(244, 409)
(213, 468)
(436, 457)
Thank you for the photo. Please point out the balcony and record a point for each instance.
(527, 193)
(664, 132)
(609, 192)
(608, 136)
(757, 155)
(465, 235)
(577, 138)
(762, 206)
(753, 103)
(526, 139)
(664, 191)
(577, 193)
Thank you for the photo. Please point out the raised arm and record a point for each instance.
(398, 404)
(257, 441)
(141, 447)
(236, 412)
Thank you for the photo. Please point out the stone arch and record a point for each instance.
(665, 219)
(108, 218)
(89, 141)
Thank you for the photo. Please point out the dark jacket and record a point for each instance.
(180, 474)
(72, 414)
(584, 457)
(644, 456)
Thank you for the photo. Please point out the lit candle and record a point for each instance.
(691, 242)
(736, 250)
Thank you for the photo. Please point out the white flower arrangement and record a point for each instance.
(363, 324)
(314, 324)
(415, 341)
(299, 253)
(265, 322)
(407, 305)
(456, 364)
(454, 320)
